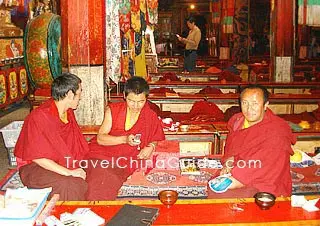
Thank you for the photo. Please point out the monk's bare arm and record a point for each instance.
(50, 165)
(103, 137)
(235, 183)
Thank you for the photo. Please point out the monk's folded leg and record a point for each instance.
(104, 183)
(69, 188)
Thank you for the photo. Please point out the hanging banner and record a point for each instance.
(113, 42)
(152, 11)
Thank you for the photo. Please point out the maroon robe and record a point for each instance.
(268, 141)
(104, 183)
(44, 135)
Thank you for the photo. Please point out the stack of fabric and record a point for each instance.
(169, 76)
(203, 112)
(210, 90)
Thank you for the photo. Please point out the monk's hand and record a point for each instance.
(78, 173)
(225, 170)
(131, 141)
(146, 152)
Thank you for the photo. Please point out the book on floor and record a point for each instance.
(134, 215)
(189, 166)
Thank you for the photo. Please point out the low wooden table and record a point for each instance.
(206, 212)
(195, 133)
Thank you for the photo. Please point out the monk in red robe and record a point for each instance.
(127, 136)
(258, 146)
(51, 140)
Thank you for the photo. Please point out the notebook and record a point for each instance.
(134, 216)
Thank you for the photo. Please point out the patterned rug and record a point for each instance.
(162, 181)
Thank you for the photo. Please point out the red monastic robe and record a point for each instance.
(104, 183)
(44, 135)
(269, 141)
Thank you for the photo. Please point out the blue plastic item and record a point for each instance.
(220, 184)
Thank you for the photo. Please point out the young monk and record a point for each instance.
(117, 143)
(256, 134)
(50, 139)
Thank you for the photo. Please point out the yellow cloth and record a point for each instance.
(246, 124)
(64, 118)
(140, 62)
(135, 21)
(143, 6)
(128, 124)
(296, 157)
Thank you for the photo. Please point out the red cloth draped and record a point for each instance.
(162, 90)
(205, 111)
(210, 90)
(148, 125)
(44, 135)
(269, 142)
(169, 76)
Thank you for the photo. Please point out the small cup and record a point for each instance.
(184, 128)
(168, 197)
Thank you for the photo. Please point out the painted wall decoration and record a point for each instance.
(23, 81)
(42, 49)
(13, 85)
(3, 89)
(11, 48)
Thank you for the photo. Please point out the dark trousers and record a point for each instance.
(69, 188)
(190, 57)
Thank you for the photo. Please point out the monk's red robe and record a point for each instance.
(104, 183)
(44, 135)
(269, 141)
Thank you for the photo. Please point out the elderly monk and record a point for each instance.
(117, 144)
(258, 135)
(51, 140)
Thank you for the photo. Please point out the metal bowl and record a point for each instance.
(264, 200)
(168, 197)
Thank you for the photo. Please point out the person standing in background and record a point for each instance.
(191, 42)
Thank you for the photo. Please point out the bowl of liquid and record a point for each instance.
(264, 200)
(168, 197)
(184, 128)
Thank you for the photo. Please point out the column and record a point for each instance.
(83, 54)
(282, 40)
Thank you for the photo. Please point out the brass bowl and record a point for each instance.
(184, 128)
(264, 200)
(168, 197)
